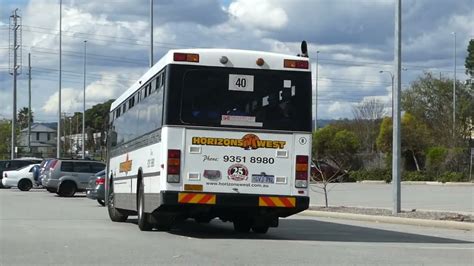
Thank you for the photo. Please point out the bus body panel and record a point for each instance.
(125, 169)
(241, 162)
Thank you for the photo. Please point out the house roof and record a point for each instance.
(39, 127)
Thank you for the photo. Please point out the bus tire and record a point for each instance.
(242, 225)
(25, 185)
(143, 217)
(115, 214)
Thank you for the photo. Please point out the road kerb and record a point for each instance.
(390, 219)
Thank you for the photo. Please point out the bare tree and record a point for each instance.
(367, 116)
(321, 179)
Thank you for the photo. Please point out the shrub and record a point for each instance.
(435, 159)
(416, 176)
(374, 174)
(451, 177)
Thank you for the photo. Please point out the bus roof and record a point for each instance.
(211, 57)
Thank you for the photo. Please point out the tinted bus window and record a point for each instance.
(276, 100)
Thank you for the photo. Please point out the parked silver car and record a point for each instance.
(67, 177)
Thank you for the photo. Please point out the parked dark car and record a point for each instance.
(96, 188)
(320, 169)
(7, 165)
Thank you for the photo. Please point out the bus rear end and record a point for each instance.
(238, 140)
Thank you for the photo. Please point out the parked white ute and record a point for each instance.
(21, 178)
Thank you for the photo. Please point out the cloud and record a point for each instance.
(109, 87)
(263, 14)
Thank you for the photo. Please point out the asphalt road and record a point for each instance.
(426, 197)
(38, 228)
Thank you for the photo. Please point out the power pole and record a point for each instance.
(454, 91)
(316, 93)
(84, 107)
(58, 144)
(15, 68)
(151, 33)
(396, 151)
(29, 102)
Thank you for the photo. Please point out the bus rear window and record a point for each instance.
(276, 100)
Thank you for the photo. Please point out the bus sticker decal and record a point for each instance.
(238, 172)
(241, 83)
(126, 166)
(247, 142)
(237, 120)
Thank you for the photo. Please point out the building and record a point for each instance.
(42, 140)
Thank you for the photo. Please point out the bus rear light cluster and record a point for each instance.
(301, 64)
(174, 166)
(182, 57)
(301, 171)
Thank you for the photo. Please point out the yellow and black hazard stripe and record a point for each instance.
(285, 202)
(196, 198)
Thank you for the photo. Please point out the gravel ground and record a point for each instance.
(429, 215)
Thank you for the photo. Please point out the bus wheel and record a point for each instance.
(115, 214)
(242, 225)
(262, 229)
(25, 185)
(143, 217)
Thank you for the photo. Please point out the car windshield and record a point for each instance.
(277, 100)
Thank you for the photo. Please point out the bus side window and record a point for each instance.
(152, 86)
(163, 78)
(157, 82)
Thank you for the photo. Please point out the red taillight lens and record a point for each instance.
(302, 64)
(182, 57)
(100, 181)
(173, 170)
(173, 166)
(174, 154)
(301, 171)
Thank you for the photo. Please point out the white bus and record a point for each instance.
(212, 133)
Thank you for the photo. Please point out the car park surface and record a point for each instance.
(76, 231)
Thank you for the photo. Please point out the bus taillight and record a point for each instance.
(182, 57)
(174, 165)
(301, 171)
(302, 64)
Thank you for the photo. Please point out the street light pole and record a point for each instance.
(316, 93)
(58, 143)
(84, 105)
(392, 78)
(396, 141)
(151, 33)
(454, 87)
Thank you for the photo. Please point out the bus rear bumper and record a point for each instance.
(227, 203)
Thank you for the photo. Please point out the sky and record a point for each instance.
(354, 38)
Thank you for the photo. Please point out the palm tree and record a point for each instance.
(23, 117)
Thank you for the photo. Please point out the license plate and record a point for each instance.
(263, 179)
